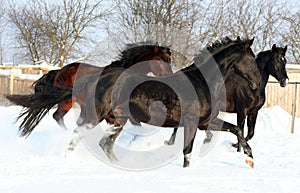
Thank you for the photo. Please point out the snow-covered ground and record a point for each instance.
(38, 164)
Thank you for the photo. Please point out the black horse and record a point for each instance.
(190, 98)
(247, 102)
(180, 108)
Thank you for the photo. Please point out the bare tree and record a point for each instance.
(168, 22)
(49, 31)
(260, 19)
(2, 23)
(291, 36)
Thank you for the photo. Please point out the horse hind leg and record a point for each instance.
(171, 141)
(58, 116)
(76, 139)
(209, 135)
(62, 109)
(81, 119)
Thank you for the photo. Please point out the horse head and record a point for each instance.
(246, 66)
(277, 65)
(147, 58)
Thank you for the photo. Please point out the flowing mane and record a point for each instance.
(132, 52)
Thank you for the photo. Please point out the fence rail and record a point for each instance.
(19, 79)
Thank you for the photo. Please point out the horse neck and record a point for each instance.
(136, 64)
(262, 61)
(225, 63)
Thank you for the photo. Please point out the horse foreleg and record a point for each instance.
(107, 143)
(247, 149)
(241, 123)
(251, 120)
(189, 136)
(62, 109)
(171, 141)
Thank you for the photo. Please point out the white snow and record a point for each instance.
(37, 164)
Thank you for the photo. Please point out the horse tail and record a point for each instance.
(41, 84)
(37, 105)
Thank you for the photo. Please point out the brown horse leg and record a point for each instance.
(62, 109)
(171, 141)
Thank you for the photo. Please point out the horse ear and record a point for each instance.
(274, 48)
(156, 47)
(238, 39)
(284, 50)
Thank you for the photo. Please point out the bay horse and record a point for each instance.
(133, 54)
(139, 57)
(247, 102)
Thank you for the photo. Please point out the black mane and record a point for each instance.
(134, 50)
(219, 46)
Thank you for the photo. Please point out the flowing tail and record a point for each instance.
(37, 105)
(42, 83)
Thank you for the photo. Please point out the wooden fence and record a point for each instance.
(288, 98)
(19, 79)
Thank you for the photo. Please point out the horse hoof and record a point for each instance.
(186, 164)
(250, 162)
(106, 143)
(80, 122)
(89, 125)
(235, 145)
(168, 143)
(206, 140)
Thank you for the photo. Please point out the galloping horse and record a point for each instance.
(182, 108)
(141, 58)
(247, 102)
(133, 54)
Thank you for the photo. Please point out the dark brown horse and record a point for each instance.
(140, 58)
(150, 55)
(247, 102)
(190, 98)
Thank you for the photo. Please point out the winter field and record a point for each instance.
(38, 164)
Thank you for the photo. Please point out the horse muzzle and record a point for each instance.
(283, 82)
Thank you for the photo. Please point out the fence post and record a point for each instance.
(294, 108)
(11, 82)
